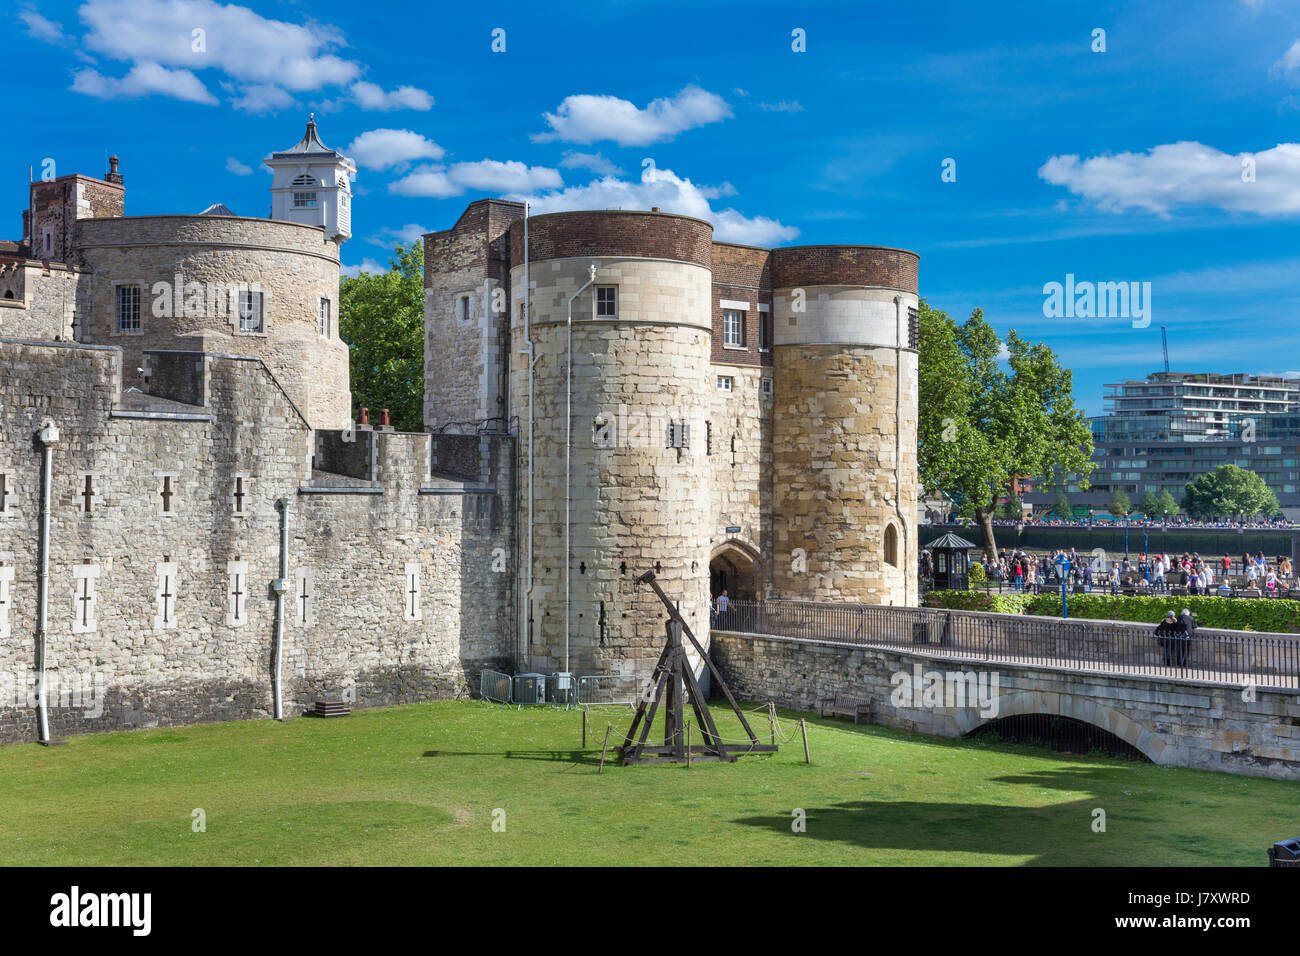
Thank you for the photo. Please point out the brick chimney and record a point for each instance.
(113, 176)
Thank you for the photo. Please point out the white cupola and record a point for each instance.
(312, 184)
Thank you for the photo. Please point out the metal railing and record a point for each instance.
(1236, 657)
(598, 689)
(494, 686)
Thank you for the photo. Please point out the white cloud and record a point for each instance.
(490, 175)
(671, 193)
(41, 28)
(239, 169)
(367, 265)
(235, 40)
(262, 98)
(1184, 173)
(426, 180)
(1289, 65)
(596, 162)
(406, 235)
(371, 96)
(485, 175)
(782, 107)
(143, 79)
(382, 148)
(587, 118)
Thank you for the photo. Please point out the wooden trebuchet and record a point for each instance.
(672, 683)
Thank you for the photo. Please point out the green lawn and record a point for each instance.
(418, 785)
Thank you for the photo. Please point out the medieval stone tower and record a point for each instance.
(211, 282)
(844, 424)
(730, 416)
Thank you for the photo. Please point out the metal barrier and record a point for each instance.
(1266, 660)
(597, 689)
(494, 686)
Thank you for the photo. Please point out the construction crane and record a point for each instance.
(1164, 344)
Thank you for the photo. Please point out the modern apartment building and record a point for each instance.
(1164, 431)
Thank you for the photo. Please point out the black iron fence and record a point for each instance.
(1270, 661)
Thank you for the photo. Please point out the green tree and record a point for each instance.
(1119, 504)
(1012, 508)
(1063, 508)
(1168, 507)
(1229, 492)
(1150, 505)
(981, 425)
(381, 318)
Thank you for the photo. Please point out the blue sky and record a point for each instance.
(1122, 165)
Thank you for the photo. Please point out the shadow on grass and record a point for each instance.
(1057, 835)
(581, 757)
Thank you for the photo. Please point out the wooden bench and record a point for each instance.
(844, 705)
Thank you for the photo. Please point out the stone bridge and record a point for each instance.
(1230, 725)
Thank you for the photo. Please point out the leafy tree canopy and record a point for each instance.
(1119, 504)
(381, 318)
(1229, 492)
(982, 425)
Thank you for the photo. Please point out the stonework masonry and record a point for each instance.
(145, 492)
(189, 271)
(737, 417)
(1183, 723)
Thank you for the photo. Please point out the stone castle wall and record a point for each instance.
(186, 266)
(166, 509)
(465, 364)
(41, 300)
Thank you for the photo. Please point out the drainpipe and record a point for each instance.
(48, 437)
(898, 441)
(527, 609)
(280, 585)
(568, 442)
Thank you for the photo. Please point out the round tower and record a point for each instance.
(637, 480)
(225, 284)
(844, 424)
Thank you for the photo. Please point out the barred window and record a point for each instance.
(913, 328)
(250, 311)
(325, 317)
(677, 435)
(607, 302)
(128, 308)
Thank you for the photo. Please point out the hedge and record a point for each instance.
(977, 601)
(1238, 614)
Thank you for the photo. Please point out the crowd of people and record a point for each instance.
(1138, 521)
(1158, 571)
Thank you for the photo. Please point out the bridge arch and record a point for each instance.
(1151, 745)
